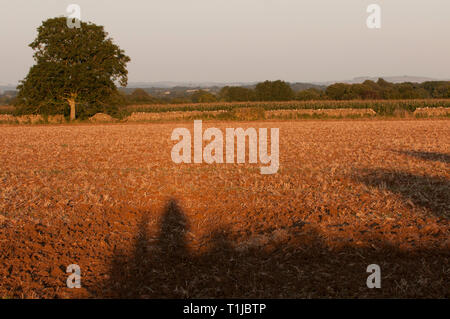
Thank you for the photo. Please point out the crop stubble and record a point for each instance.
(109, 198)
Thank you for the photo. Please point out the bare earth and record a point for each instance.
(109, 198)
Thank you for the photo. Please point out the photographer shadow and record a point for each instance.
(165, 267)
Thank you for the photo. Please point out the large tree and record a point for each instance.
(73, 66)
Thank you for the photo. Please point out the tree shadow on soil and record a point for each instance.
(164, 267)
(429, 192)
(429, 156)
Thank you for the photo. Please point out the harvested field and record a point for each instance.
(109, 198)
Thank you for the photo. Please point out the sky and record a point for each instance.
(248, 40)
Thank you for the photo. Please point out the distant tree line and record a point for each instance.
(282, 91)
(370, 90)
(270, 91)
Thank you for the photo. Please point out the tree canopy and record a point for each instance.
(72, 66)
(236, 93)
(274, 91)
(202, 96)
(369, 90)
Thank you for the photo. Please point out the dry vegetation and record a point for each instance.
(430, 111)
(321, 112)
(109, 198)
(6, 109)
(31, 119)
(379, 106)
(101, 118)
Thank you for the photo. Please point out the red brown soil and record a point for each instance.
(110, 199)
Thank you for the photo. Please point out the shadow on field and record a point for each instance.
(164, 267)
(429, 192)
(429, 156)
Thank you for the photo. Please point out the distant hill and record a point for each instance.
(392, 79)
(172, 84)
(296, 86)
(7, 87)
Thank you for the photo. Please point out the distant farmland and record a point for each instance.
(379, 106)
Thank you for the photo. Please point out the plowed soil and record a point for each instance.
(109, 199)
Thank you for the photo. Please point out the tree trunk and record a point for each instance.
(71, 102)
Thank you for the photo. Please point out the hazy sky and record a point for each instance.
(248, 40)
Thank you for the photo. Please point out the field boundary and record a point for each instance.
(242, 114)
